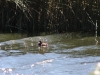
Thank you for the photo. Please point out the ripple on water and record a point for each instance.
(27, 60)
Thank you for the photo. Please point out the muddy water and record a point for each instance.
(64, 56)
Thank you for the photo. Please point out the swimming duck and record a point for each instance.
(42, 44)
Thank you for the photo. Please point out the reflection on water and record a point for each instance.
(64, 56)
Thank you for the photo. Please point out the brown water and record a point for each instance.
(65, 55)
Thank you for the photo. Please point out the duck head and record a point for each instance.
(40, 43)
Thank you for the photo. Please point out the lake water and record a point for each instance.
(64, 56)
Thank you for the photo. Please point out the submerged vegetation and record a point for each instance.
(49, 16)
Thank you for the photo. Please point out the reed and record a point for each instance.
(49, 16)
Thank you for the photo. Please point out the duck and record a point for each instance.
(42, 44)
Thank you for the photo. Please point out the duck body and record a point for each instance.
(42, 44)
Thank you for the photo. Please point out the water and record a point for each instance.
(64, 56)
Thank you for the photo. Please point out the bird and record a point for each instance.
(42, 44)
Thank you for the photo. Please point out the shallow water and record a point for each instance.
(64, 56)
